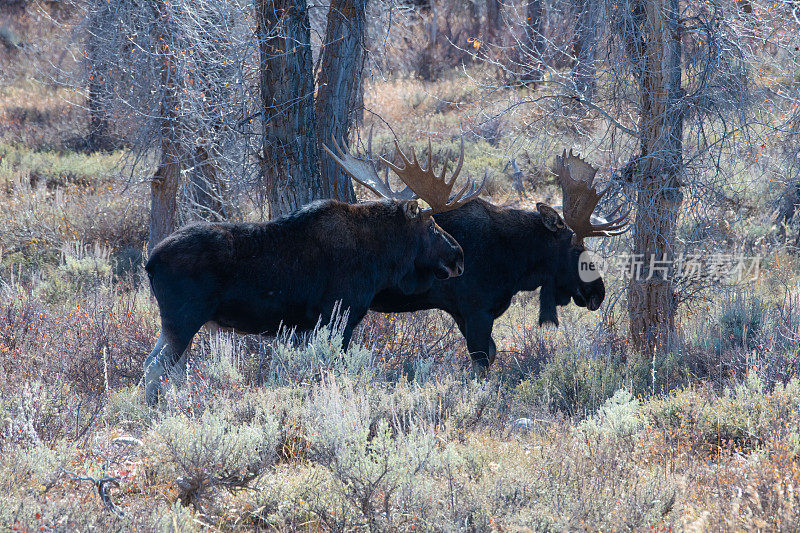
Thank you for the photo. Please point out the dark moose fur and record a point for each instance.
(252, 277)
(506, 251)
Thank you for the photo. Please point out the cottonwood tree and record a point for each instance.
(588, 27)
(657, 174)
(290, 158)
(494, 13)
(165, 181)
(96, 69)
(534, 40)
(170, 75)
(295, 122)
(340, 84)
(702, 96)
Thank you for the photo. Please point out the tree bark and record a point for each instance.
(493, 13)
(426, 68)
(584, 47)
(651, 296)
(534, 31)
(290, 162)
(99, 138)
(343, 58)
(207, 190)
(163, 193)
(166, 180)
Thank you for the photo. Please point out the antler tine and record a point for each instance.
(364, 172)
(435, 190)
(619, 221)
(460, 164)
(470, 189)
(342, 160)
(369, 155)
(430, 160)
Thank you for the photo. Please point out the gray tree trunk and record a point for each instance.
(166, 180)
(534, 32)
(99, 130)
(163, 193)
(206, 189)
(588, 24)
(290, 162)
(343, 58)
(493, 14)
(651, 302)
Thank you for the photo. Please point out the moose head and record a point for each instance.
(578, 278)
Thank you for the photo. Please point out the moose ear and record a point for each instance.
(550, 217)
(411, 209)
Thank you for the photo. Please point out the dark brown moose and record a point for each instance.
(509, 250)
(253, 277)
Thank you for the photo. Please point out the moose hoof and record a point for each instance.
(153, 392)
(153, 382)
(480, 368)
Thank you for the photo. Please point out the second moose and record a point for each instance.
(506, 251)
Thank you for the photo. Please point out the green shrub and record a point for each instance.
(307, 359)
(218, 450)
(572, 383)
(740, 322)
(617, 417)
(578, 385)
(363, 454)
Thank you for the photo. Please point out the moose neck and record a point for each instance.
(393, 244)
(542, 260)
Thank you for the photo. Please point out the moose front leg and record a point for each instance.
(548, 313)
(477, 330)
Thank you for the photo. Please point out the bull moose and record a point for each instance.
(253, 277)
(506, 251)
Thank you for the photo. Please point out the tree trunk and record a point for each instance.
(163, 194)
(206, 189)
(584, 47)
(290, 162)
(343, 58)
(99, 138)
(426, 68)
(166, 180)
(651, 302)
(493, 13)
(534, 32)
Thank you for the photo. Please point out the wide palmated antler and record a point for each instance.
(435, 190)
(576, 178)
(362, 169)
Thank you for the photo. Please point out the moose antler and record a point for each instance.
(435, 190)
(576, 178)
(363, 171)
(420, 182)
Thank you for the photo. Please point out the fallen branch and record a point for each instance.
(102, 485)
